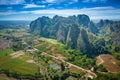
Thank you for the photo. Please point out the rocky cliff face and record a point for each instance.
(77, 32)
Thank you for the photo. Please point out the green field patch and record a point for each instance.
(25, 57)
(5, 52)
(49, 44)
(52, 41)
(17, 65)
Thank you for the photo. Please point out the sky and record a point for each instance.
(32, 9)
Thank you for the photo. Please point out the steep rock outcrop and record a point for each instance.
(78, 32)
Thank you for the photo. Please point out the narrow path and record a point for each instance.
(100, 60)
(85, 70)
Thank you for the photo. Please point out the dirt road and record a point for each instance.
(84, 70)
(101, 60)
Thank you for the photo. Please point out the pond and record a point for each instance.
(56, 67)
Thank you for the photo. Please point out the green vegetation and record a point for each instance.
(74, 39)
(52, 41)
(43, 46)
(17, 46)
(81, 60)
(108, 76)
(78, 32)
(116, 55)
(73, 56)
(16, 65)
(5, 52)
(102, 68)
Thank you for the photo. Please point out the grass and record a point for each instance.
(49, 43)
(25, 57)
(4, 77)
(5, 52)
(52, 41)
(43, 47)
(18, 65)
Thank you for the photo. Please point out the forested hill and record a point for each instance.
(79, 32)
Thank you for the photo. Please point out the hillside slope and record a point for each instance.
(78, 32)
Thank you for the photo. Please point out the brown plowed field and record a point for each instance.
(109, 62)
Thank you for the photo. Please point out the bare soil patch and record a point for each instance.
(99, 60)
(54, 53)
(74, 69)
(60, 56)
(109, 62)
(17, 54)
(4, 44)
(52, 50)
(31, 61)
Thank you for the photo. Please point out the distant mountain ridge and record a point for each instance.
(14, 24)
(79, 32)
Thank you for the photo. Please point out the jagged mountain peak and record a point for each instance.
(76, 32)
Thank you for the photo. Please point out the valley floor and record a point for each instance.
(44, 58)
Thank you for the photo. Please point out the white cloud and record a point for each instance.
(8, 13)
(103, 8)
(11, 2)
(51, 1)
(59, 1)
(87, 1)
(94, 13)
(34, 6)
(77, 11)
